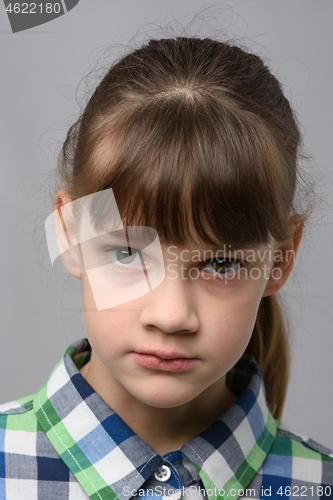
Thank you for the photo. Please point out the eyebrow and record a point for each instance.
(223, 247)
(132, 234)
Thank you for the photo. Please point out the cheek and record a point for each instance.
(232, 319)
(107, 327)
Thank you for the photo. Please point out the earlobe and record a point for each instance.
(66, 237)
(284, 259)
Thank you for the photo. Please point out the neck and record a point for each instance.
(164, 429)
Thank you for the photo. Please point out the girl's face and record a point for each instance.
(177, 342)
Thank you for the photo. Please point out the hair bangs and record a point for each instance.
(203, 172)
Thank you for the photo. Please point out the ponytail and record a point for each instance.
(269, 345)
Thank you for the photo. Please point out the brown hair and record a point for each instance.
(193, 132)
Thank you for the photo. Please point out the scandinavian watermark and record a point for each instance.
(232, 264)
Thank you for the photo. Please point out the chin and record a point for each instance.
(166, 404)
(164, 400)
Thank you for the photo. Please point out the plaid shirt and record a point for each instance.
(67, 443)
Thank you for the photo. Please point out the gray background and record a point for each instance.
(40, 71)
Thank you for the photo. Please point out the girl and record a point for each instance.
(178, 214)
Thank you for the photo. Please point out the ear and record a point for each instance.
(66, 236)
(284, 259)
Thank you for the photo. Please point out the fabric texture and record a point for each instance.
(66, 443)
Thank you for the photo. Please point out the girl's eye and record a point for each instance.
(124, 256)
(222, 266)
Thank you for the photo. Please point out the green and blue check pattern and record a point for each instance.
(66, 443)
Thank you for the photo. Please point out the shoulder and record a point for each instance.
(22, 441)
(295, 466)
(29, 465)
(21, 405)
(303, 445)
(18, 426)
(299, 462)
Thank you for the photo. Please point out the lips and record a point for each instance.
(165, 360)
(164, 354)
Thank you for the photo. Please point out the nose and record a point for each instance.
(171, 307)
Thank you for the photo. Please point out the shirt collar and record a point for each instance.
(105, 455)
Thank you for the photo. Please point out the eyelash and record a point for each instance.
(227, 260)
(202, 265)
(134, 251)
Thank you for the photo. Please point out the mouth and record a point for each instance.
(171, 361)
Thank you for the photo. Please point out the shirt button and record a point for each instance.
(162, 473)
